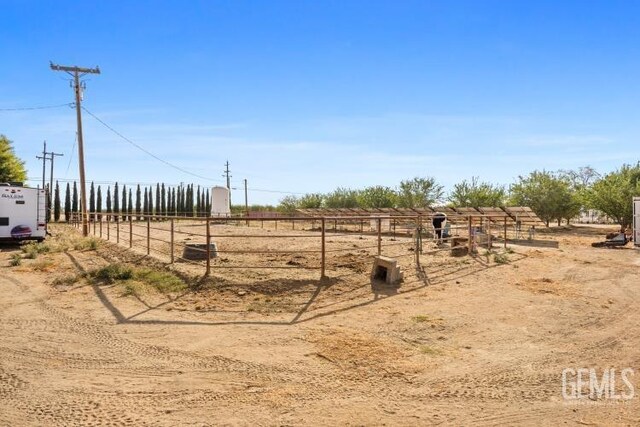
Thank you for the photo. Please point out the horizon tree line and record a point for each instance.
(122, 203)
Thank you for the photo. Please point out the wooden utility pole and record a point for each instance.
(226, 174)
(48, 155)
(78, 72)
(44, 162)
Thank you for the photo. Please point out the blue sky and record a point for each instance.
(306, 96)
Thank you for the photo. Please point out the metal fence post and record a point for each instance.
(379, 236)
(208, 248)
(505, 232)
(323, 250)
(172, 243)
(489, 243)
(108, 227)
(148, 235)
(418, 243)
(471, 236)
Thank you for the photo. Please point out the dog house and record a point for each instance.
(386, 270)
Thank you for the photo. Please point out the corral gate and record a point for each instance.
(636, 221)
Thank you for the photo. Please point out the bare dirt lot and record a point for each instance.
(474, 341)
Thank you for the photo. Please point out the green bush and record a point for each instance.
(16, 260)
(113, 273)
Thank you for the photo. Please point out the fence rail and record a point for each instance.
(168, 236)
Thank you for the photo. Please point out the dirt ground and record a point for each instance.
(470, 341)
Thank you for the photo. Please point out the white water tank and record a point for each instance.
(220, 202)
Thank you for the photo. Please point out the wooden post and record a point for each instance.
(322, 250)
(131, 233)
(100, 219)
(172, 242)
(489, 233)
(108, 227)
(379, 236)
(118, 229)
(148, 235)
(208, 248)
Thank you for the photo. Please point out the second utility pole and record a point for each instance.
(227, 174)
(78, 72)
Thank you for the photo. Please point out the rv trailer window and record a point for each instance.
(4, 221)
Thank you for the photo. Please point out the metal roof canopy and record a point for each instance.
(522, 214)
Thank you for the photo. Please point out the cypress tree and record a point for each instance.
(173, 201)
(138, 202)
(198, 207)
(116, 202)
(99, 203)
(123, 209)
(109, 203)
(130, 207)
(207, 203)
(163, 200)
(74, 200)
(145, 205)
(158, 202)
(67, 203)
(203, 203)
(92, 201)
(49, 205)
(56, 203)
(150, 200)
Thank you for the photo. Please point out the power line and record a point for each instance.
(144, 150)
(44, 107)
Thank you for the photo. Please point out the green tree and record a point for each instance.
(74, 200)
(377, 197)
(341, 198)
(116, 202)
(163, 199)
(109, 203)
(56, 203)
(67, 203)
(138, 202)
(123, 208)
(145, 203)
(477, 194)
(130, 205)
(419, 193)
(549, 195)
(150, 200)
(92, 200)
(49, 204)
(11, 167)
(613, 194)
(99, 202)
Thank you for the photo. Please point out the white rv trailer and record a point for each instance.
(636, 221)
(220, 203)
(22, 213)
